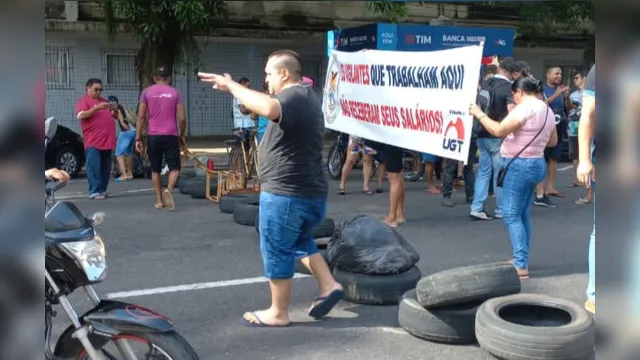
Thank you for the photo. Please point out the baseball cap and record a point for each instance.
(162, 71)
(112, 98)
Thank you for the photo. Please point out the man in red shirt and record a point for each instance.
(99, 132)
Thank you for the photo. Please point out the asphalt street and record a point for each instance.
(198, 267)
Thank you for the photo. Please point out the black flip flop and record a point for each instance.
(325, 304)
(342, 192)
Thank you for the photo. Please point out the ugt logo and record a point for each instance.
(454, 143)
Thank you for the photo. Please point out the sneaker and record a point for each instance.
(544, 201)
(590, 307)
(447, 201)
(480, 215)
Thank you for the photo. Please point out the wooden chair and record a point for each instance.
(228, 180)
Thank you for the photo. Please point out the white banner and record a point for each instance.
(413, 100)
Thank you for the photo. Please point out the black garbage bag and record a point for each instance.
(366, 245)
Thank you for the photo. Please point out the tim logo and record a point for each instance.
(450, 143)
(501, 42)
(410, 39)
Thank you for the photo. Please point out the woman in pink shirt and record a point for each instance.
(99, 137)
(527, 131)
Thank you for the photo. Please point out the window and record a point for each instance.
(120, 69)
(57, 68)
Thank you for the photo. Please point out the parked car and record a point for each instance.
(66, 151)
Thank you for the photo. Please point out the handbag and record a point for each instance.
(502, 173)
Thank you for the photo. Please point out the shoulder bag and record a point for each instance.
(503, 169)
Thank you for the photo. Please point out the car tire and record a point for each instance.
(245, 211)
(228, 201)
(447, 325)
(301, 269)
(200, 192)
(324, 230)
(68, 160)
(467, 284)
(165, 181)
(187, 184)
(504, 328)
(377, 289)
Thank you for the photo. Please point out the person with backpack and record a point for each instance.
(494, 99)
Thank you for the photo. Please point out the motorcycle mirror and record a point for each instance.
(97, 218)
(50, 127)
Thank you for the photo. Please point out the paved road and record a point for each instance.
(155, 249)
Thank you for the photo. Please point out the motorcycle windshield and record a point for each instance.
(65, 216)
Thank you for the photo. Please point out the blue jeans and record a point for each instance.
(98, 171)
(518, 191)
(285, 224)
(490, 161)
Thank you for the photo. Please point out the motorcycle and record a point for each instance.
(75, 257)
(413, 168)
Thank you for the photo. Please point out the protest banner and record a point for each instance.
(413, 100)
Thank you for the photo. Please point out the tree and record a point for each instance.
(165, 29)
(535, 17)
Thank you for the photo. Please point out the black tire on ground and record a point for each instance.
(189, 184)
(463, 285)
(530, 326)
(325, 229)
(447, 325)
(187, 173)
(301, 269)
(377, 289)
(200, 192)
(165, 181)
(227, 202)
(245, 212)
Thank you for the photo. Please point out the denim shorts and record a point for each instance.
(125, 143)
(285, 225)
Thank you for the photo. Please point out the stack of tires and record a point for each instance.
(194, 184)
(483, 303)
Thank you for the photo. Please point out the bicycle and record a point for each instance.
(243, 153)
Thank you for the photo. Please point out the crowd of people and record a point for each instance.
(517, 139)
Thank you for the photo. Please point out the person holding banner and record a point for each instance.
(527, 131)
(293, 197)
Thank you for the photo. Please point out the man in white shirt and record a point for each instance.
(241, 115)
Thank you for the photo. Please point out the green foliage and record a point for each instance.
(535, 17)
(391, 10)
(544, 17)
(165, 29)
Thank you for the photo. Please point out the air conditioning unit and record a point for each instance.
(61, 10)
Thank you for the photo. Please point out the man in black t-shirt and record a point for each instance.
(499, 87)
(293, 199)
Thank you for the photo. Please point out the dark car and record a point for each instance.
(65, 151)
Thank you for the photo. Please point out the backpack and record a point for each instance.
(484, 100)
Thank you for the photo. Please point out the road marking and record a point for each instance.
(568, 167)
(80, 195)
(191, 287)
